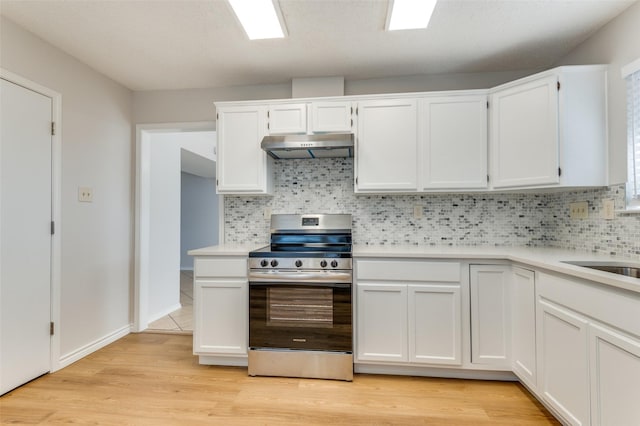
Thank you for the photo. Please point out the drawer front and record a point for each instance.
(408, 270)
(221, 267)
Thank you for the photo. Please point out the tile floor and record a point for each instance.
(180, 321)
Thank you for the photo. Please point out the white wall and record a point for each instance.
(616, 44)
(164, 225)
(96, 152)
(199, 217)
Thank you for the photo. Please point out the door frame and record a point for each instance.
(56, 203)
(142, 211)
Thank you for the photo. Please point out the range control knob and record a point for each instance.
(323, 263)
(264, 263)
(334, 263)
(298, 263)
(274, 263)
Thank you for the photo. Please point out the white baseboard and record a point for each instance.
(100, 343)
(448, 373)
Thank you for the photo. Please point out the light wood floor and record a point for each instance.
(153, 379)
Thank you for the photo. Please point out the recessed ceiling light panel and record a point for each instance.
(409, 14)
(260, 18)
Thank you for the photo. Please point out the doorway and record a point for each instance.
(169, 158)
(29, 247)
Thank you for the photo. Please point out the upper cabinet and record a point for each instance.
(314, 117)
(242, 166)
(549, 130)
(454, 142)
(387, 146)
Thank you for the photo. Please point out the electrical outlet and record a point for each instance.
(579, 210)
(85, 194)
(417, 212)
(608, 209)
(267, 213)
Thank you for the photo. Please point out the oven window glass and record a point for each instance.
(300, 307)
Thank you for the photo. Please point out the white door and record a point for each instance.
(25, 235)
(523, 326)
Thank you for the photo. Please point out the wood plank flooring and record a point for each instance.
(153, 379)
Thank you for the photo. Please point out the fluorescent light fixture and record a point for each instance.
(260, 18)
(409, 14)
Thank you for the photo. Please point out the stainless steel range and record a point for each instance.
(300, 317)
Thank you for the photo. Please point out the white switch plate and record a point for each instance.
(267, 213)
(579, 210)
(85, 194)
(417, 212)
(608, 209)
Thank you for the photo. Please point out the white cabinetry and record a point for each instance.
(550, 129)
(242, 166)
(454, 142)
(287, 118)
(490, 319)
(523, 326)
(408, 311)
(221, 310)
(331, 117)
(615, 377)
(563, 355)
(387, 146)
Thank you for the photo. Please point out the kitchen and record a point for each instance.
(490, 218)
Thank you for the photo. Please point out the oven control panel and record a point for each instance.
(302, 263)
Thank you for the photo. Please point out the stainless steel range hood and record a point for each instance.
(309, 146)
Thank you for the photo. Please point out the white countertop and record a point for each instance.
(225, 250)
(543, 258)
(549, 259)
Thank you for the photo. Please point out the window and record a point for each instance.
(632, 75)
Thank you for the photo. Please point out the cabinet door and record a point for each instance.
(454, 138)
(221, 311)
(331, 117)
(382, 322)
(242, 164)
(523, 326)
(287, 119)
(615, 377)
(435, 326)
(490, 331)
(563, 353)
(524, 134)
(387, 146)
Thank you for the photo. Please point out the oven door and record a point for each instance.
(302, 315)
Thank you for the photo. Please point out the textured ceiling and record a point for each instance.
(177, 44)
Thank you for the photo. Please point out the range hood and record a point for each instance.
(325, 145)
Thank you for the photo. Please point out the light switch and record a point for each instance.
(608, 209)
(417, 212)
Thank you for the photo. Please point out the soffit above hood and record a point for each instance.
(327, 145)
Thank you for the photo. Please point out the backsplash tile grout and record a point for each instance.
(502, 219)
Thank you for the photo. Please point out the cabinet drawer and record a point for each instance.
(221, 267)
(408, 270)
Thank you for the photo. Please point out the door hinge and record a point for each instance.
(51, 328)
(268, 115)
(356, 110)
(53, 128)
(217, 116)
(351, 110)
(352, 122)
(558, 85)
(53, 227)
(487, 104)
(559, 171)
(217, 182)
(487, 178)
(268, 128)
(356, 180)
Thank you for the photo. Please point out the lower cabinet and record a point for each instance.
(615, 377)
(490, 319)
(408, 312)
(563, 354)
(221, 308)
(523, 326)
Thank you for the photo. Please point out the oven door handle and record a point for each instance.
(300, 284)
(300, 278)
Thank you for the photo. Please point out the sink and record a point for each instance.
(613, 267)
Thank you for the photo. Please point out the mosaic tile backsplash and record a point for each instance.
(504, 219)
